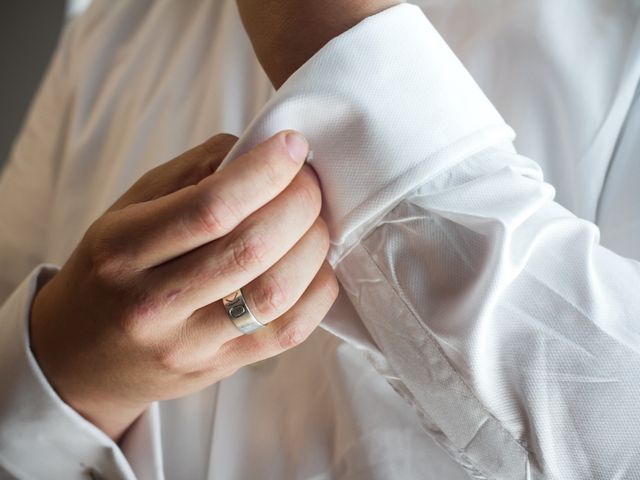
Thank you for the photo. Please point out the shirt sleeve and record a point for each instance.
(40, 435)
(498, 314)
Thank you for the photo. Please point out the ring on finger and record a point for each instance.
(239, 313)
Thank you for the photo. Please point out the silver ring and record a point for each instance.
(239, 313)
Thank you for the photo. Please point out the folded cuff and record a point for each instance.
(385, 106)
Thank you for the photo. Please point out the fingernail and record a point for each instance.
(297, 146)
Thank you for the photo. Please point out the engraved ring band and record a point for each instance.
(239, 313)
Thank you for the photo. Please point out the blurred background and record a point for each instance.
(29, 31)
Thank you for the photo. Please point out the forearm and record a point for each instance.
(286, 33)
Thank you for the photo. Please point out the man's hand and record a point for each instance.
(135, 314)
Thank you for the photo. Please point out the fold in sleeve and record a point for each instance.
(513, 333)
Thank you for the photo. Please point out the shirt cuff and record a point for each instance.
(40, 435)
(386, 106)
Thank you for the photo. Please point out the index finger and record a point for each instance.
(189, 168)
(165, 228)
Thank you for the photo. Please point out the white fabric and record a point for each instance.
(509, 333)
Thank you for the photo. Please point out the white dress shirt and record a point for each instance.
(483, 331)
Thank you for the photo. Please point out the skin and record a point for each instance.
(286, 33)
(135, 314)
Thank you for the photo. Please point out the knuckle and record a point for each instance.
(215, 215)
(132, 328)
(106, 260)
(105, 266)
(292, 334)
(269, 298)
(135, 319)
(172, 358)
(249, 251)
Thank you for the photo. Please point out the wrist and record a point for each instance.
(55, 349)
(286, 33)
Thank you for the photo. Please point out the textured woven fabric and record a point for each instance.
(507, 323)
(482, 332)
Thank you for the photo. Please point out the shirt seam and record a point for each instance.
(519, 444)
